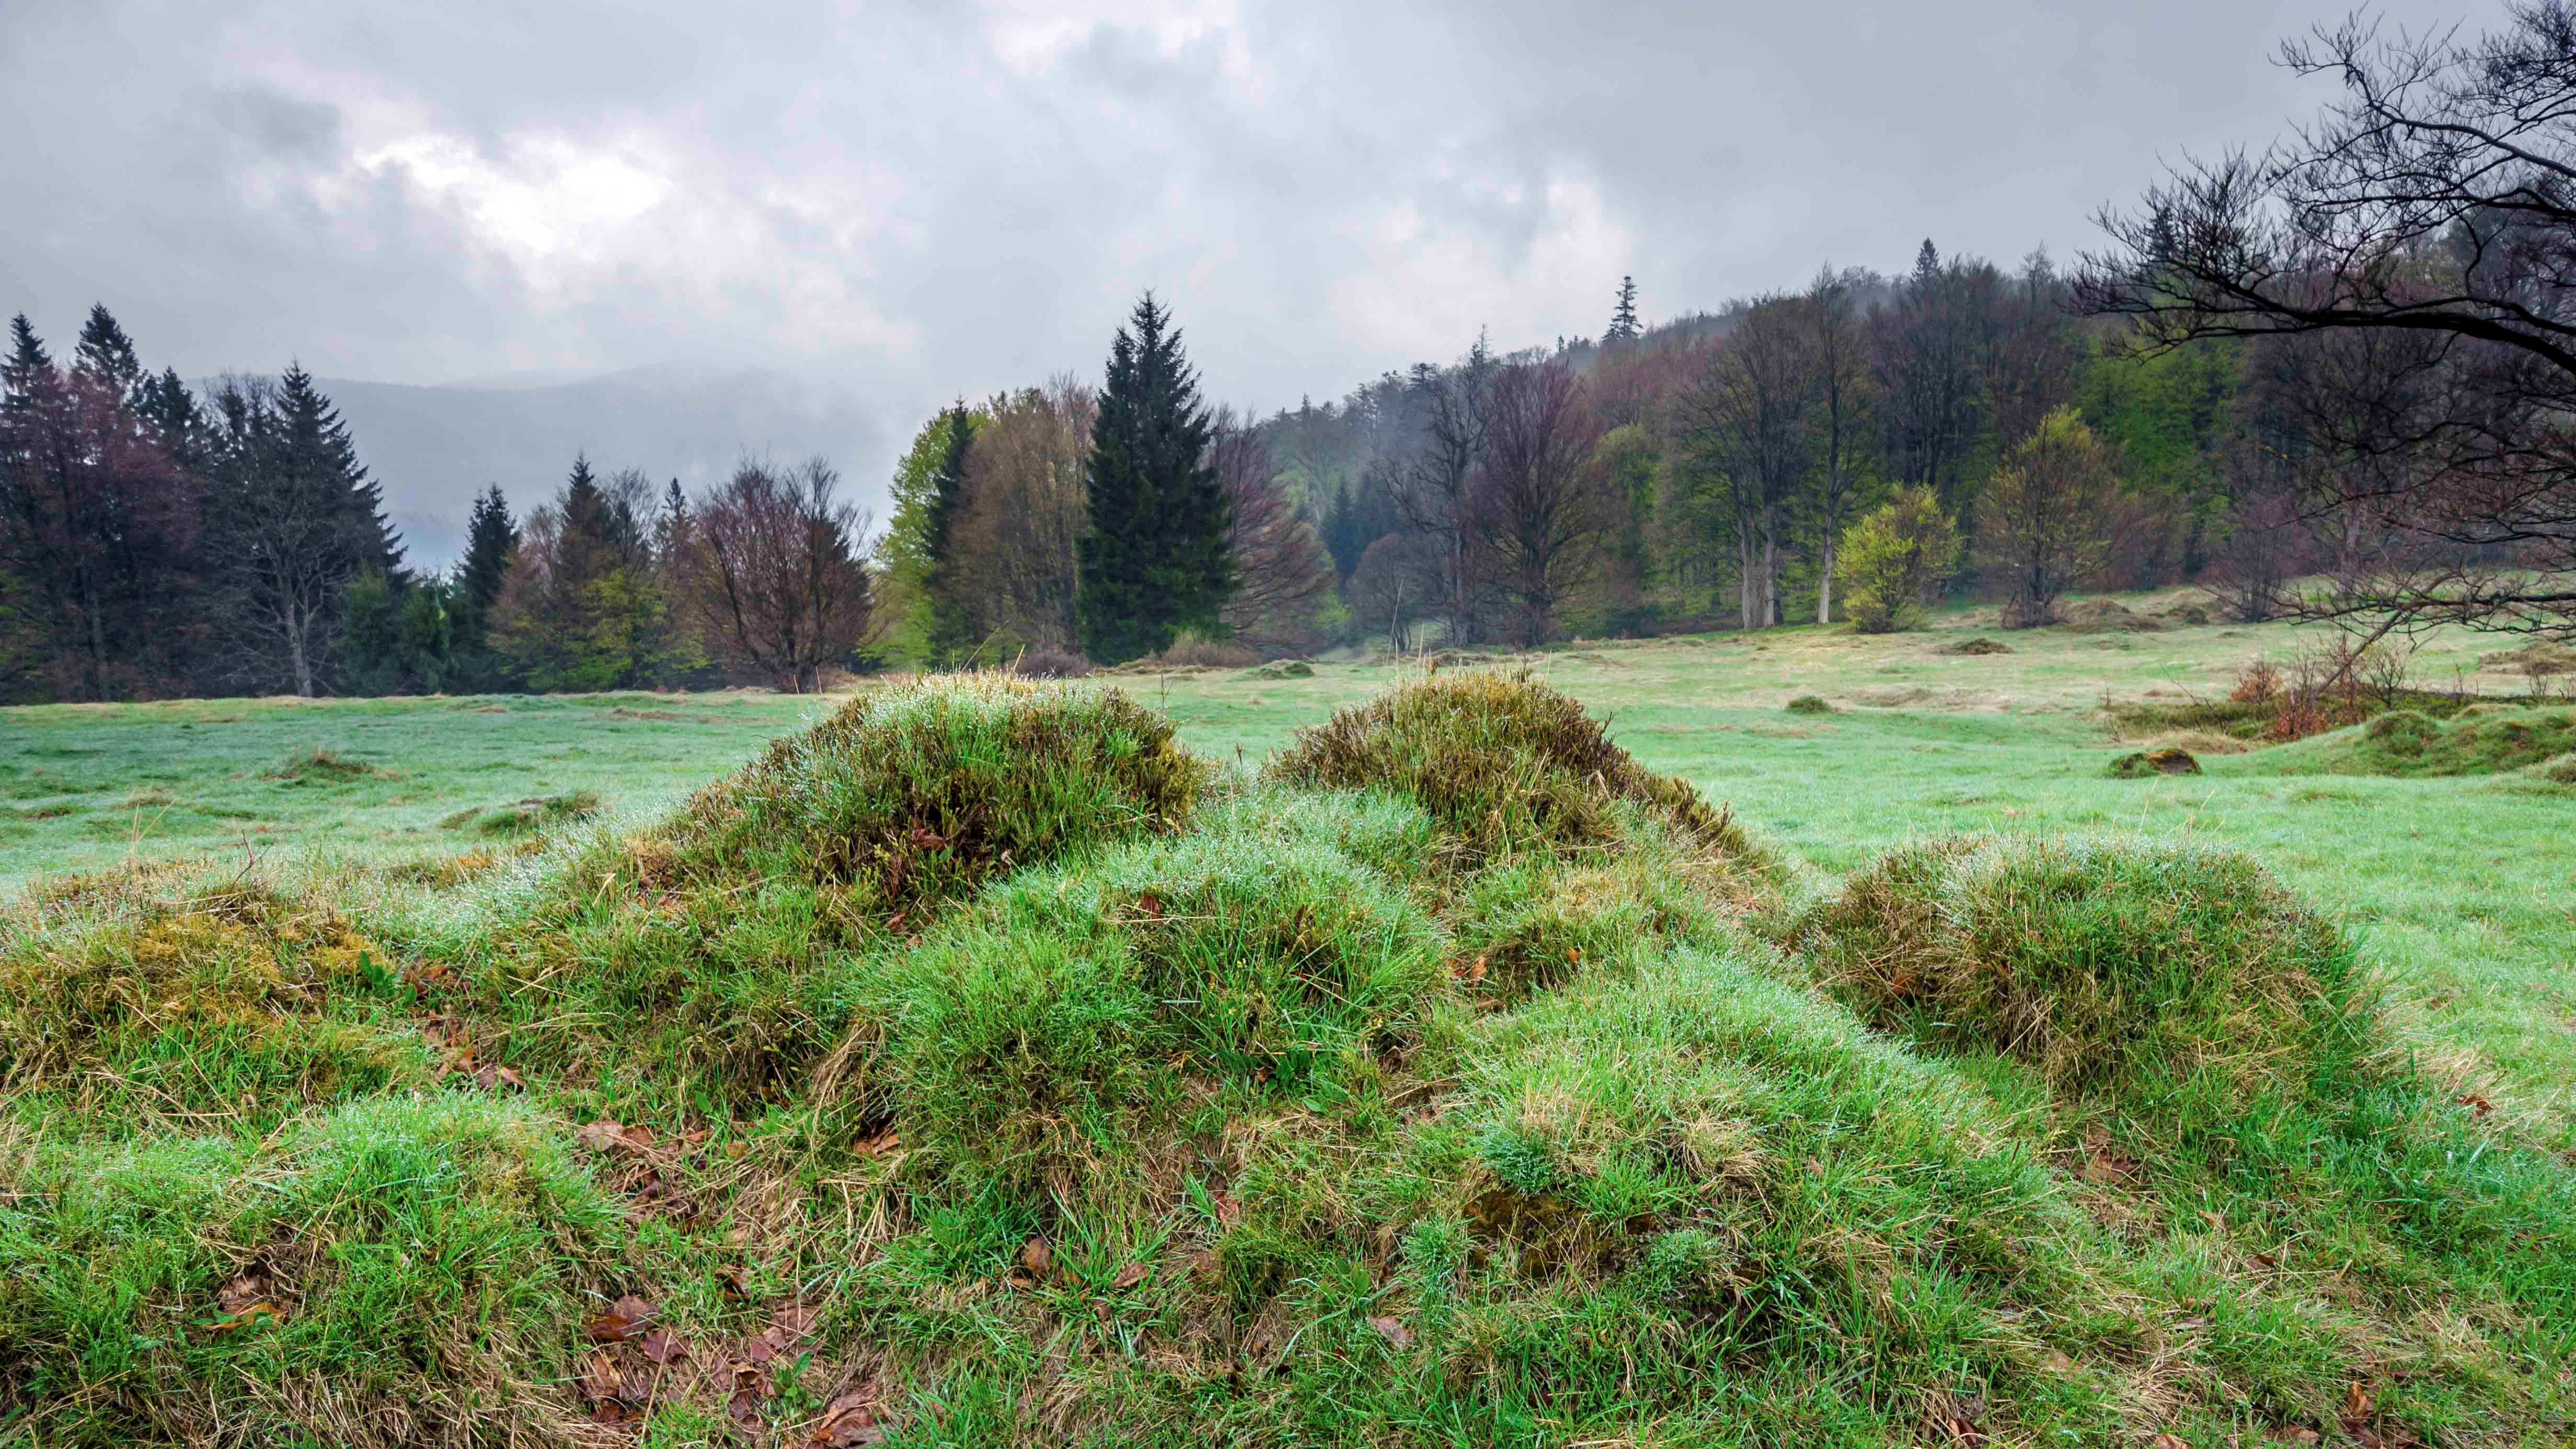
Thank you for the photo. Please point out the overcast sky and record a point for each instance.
(905, 202)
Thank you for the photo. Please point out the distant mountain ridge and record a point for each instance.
(433, 448)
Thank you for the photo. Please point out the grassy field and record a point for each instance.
(1799, 1039)
(2463, 889)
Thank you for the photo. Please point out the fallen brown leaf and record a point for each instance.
(1036, 1257)
(1392, 1330)
(626, 1318)
(1128, 1277)
(2478, 1106)
(615, 1137)
(662, 1346)
(848, 1420)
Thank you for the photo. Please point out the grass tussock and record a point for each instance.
(231, 1009)
(2408, 744)
(2104, 965)
(388, 1273)
(1502, 762)
(530, 816)
(922, 792)
(319, 766)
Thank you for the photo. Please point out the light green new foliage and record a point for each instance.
(1891, 558)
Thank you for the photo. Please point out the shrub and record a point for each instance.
(1810, 704)
(1891, 559)
(926, 791)
(2100, 963)
(1500, 761)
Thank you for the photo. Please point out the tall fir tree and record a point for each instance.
(950, 632)
(1154, 560)
(295, 521)
(1624, 326)
(491, 540)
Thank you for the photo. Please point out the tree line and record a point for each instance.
(2332, 379)
(155, 542)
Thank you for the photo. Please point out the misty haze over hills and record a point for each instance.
(433, 448)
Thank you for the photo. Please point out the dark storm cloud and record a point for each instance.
(898, 204)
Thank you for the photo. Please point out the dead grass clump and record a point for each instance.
(2102, 964)
(319, 766)
(2540, 659)
(1980, 645)
(2147, 764)
(1501, 761)
(917, 792)
(2106, 616)
(1193, 650)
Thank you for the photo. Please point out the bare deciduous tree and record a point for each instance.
(1432, 486)
(771, 572)
(1746, 424)
(1284, 572)
(2434, 204)
(1540, 508)
(1025, 508)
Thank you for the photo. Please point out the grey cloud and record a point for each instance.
(886, 204)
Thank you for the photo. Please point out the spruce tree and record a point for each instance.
(491, 539)
(1624, 326)
(951, 631)
(105, 355)
(1154, 560)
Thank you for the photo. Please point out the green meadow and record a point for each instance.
(1581, 1048)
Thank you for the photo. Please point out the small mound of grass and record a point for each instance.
(2561, 770)
(1282, 669)
(392, 1273)
(926, 791)
(318, 766)
(1502, 762)
(2106, 616)
(2480, 740)
(2148, 764)
(235, 1008)
(1976, 647)
(526, 817)
(1810, 704)
(2101, 964)
(2540, 659)
(1074, 1013)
